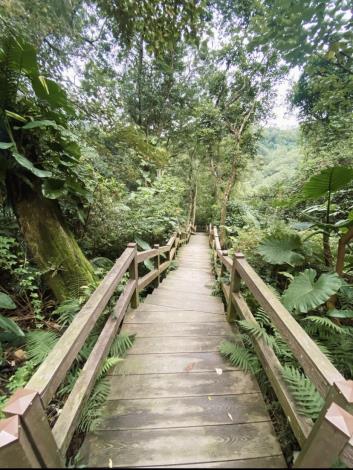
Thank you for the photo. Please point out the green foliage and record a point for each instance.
(39, 344)
(9, 325)
(239, 356)
(328, 181)
(66, 311)
(121, 344)
(305, 293)
(6, 302)
(282, 250)
(21, 376)
(307, 398)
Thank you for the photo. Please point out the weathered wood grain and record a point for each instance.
(183, 412)
(171, 363)
(182, 445)
(150, 330)
(176, 344)
(181, 385)
(174, 316)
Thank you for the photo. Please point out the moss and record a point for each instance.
(52, 245)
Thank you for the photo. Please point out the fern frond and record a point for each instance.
(121, 344)
(92, 412)
(254, 329)
(307, 398)
(66, 311)
(108, 364)
(262, 317)
(39, 344)
(322, 325)
(240, 356)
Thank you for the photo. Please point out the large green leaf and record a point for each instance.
(304, 293)
(21, 56)
(54, 188)
(23, 161)
(56, 97)
(43, 123)
(6, 302)
(6, 145)
(328, 180)
(9, 325)
(282, 250)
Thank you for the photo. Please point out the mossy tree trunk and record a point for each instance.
(51, 244)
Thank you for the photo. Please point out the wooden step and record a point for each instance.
(149, 413)
(182, 445)
(171, 363)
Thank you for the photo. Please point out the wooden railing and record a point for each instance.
(331, 436)
(26, 439)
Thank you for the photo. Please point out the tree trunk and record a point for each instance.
(341, 251)
(225, 200)
(327, 250)
(50, 243)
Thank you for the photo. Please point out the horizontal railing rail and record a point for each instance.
(331, 436)
(26, 438)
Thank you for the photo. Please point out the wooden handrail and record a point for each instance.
(52, 371)
(325, 441)
(25, 437)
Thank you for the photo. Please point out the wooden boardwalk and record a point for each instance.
(174, 401)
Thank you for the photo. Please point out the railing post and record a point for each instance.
(330, 433)
(133, 273)
(157, 263)
(16, 451)
(27, 406)
(341, 396)
(235, 281)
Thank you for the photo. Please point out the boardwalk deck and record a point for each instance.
(167, 405)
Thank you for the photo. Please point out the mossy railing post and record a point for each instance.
(157, 263)
(234, 286)
(133, 273)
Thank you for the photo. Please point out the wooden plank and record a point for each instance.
(301, 426)
(182, 412)
(316, 365)
(69, 417)
(172, 239)
(184, 286)
(164, 266)
(172, 363)
(147, 279)
(181, 385)
(276, 461)
(175, 316)
(172, 253)
(176, 344)
(152, 330)
(167, 289)
(211, 305)
(182, 445)
(53, 370)
(143, 255)
(164, 249)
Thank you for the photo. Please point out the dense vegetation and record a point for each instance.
(119, 118)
